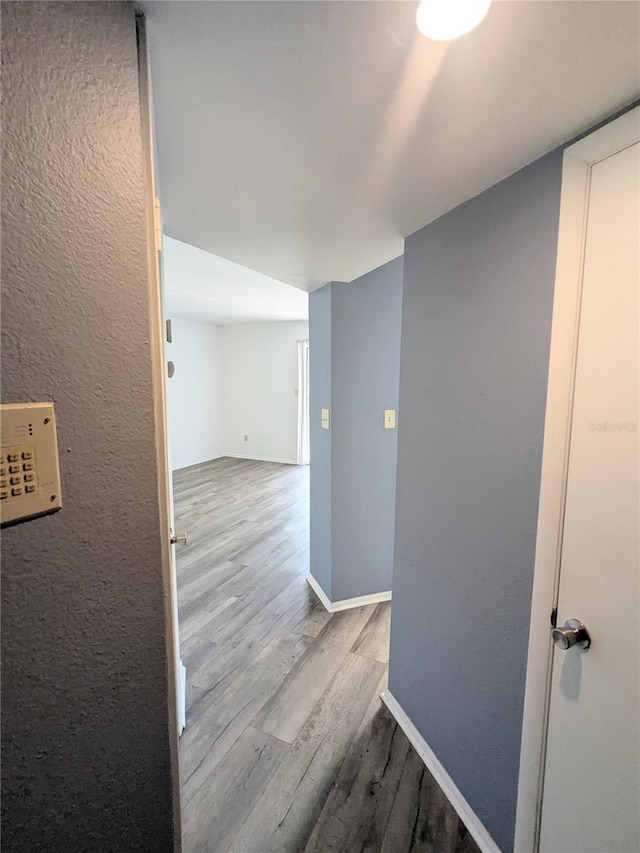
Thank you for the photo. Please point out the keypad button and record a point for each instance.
(17, 490)
(14, 469)
(28, 466)
(3, 459)
(27, 454)
(28, 478)
(4, 484)
(13, 457)
(3, 495)
(29, 489)
(15, 480)
(3, 472)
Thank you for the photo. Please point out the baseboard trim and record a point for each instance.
(466, 814)
(262, 459)
(197, 464)
(345, 603)
(315, 586)
(182, 698)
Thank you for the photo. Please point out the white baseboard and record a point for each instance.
(315, 586)
(182, 697)
(197, 464)
(261, 458)
(346, 603)
(237, 456)
(466, 814)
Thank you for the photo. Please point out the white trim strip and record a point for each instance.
(158, 367)
(315, 586)
(258, 458)
(466, 814)
(345, 603)
(237, 456)
(197, 464)
(360, 601)
(618, 134)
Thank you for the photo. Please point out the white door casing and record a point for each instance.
(175, 670)
(581, 707)
(181, 682)
(593, 716)
(163, 446)
(303, 456)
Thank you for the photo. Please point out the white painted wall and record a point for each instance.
(232, 381)
(260, 377)
(195, 393)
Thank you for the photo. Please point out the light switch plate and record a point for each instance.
(389, 418)
(325, 418)
(29, 470)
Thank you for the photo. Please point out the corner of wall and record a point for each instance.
(320, 368)
(355, 356)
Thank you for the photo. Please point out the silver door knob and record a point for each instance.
(573, 634)
(178, 538)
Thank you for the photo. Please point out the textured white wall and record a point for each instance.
(85, 729)
(195, 393)
(260, 377)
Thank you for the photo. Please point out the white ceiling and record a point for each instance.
(201, 286)
(306, 139)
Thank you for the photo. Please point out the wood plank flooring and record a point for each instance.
(288, 748)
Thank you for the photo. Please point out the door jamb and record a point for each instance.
(156, 349)
(578, 160)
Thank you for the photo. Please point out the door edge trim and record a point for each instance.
(576, 171)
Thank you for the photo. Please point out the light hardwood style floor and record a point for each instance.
(288, 748)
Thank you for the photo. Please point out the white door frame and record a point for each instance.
(156, 349)
(576, 177)
(303, 403)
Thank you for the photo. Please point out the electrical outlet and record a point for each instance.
(324, 418)
(389, 418)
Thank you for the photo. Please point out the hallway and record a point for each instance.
(288, 747)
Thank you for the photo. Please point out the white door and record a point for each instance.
(181, 672)
(591, 790)
(176, 670)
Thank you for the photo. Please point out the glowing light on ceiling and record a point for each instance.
(444, 20)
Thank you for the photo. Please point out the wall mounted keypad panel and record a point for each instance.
(29, 470)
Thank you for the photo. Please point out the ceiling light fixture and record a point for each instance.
(444, 20)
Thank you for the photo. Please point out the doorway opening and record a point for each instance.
(304, 431)
(588, 508)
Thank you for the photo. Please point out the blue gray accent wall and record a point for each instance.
(354, 348)
(478, 292)
(85, 729)
(321, 468)
(366, 377)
